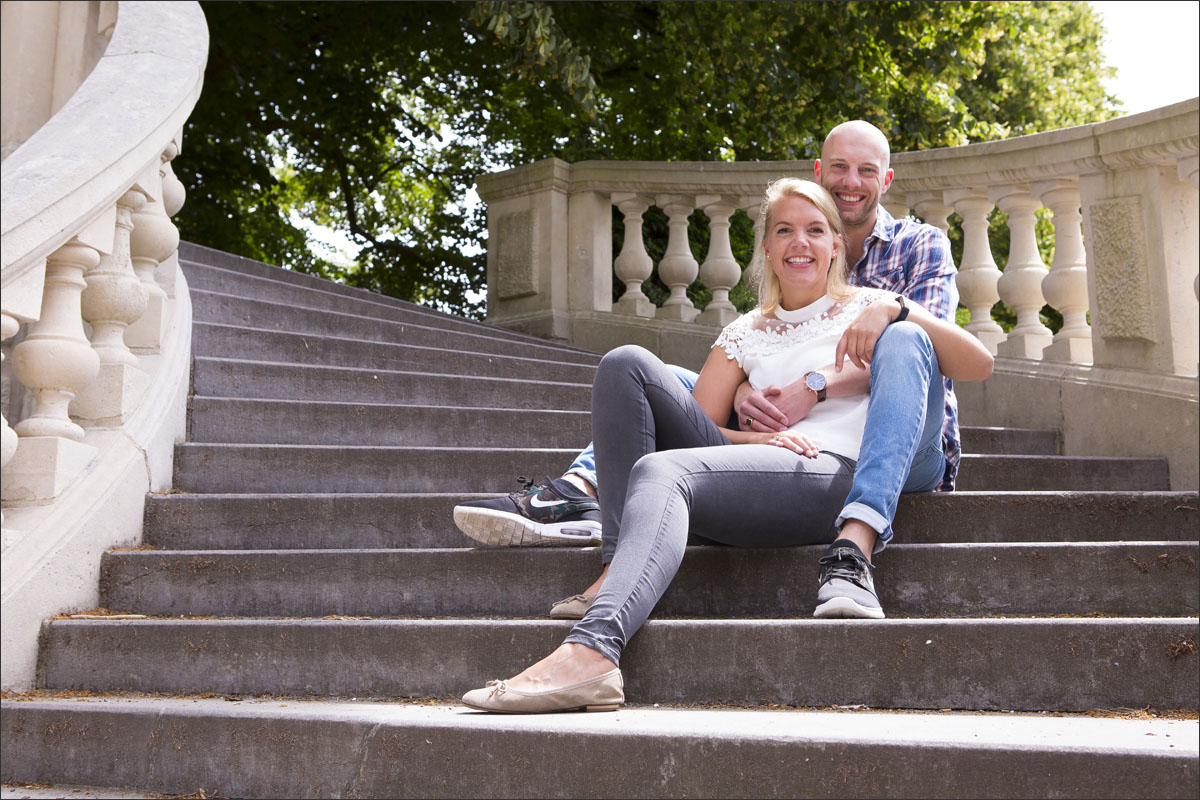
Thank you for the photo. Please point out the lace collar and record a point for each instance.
(804, 313)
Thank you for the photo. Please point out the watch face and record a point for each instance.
(815, 381)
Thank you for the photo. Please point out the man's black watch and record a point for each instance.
(903, 309)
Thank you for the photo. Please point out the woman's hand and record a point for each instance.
(796, 442)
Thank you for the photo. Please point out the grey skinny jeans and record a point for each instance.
(664, 469)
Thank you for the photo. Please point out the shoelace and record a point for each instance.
(843, 563)
(527, 486)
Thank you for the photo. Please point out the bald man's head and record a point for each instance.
(863, 134)
(855, 168)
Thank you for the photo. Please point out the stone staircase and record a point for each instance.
(311, 613)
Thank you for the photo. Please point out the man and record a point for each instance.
(903, 256)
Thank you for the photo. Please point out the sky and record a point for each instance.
(1155, 47)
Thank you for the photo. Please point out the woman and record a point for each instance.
(667, 467)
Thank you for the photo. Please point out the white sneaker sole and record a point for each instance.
(502, 529)
(845, 608)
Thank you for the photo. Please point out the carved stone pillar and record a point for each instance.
(930, 206)
(896, 204)
(8, 437)
(720, 270)
(1021, 284)
(977, 274)
(1065, 287)
(54, 362)
(113, 300)
(174, 194)
(753, 274)
(633, 265)
(678, 268)
(1188, 169)
(155, 238)
(1139, 226)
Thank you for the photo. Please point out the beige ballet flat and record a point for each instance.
(573, 607)
(603, 693)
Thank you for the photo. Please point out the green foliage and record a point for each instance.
(374, 118)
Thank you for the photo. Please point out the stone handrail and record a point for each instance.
(1132, 265)
(89, 250)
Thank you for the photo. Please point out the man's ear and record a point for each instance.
(817, 169)
(887, 180)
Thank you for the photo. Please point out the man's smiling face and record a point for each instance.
(854, 167)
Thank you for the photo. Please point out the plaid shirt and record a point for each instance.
(913, 259)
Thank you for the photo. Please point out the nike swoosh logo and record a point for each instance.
(533, 501)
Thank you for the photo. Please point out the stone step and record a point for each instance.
(254, 421)
(256, 344)
(1064, 473)
(283, 422)
(214, 377)
(913, 580)
(227, 309)
(1010, 441)
(1042, 664)
(243, 271)
(270, 747)
(238, 285)
(327, 468)
(333, 468)
(305, 521)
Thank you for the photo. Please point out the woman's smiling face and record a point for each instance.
(800, 245)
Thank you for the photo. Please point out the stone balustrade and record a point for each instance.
(1122, 194)
(94, 316)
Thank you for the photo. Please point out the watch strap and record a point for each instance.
(903, 309)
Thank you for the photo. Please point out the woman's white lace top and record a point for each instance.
(777, 349)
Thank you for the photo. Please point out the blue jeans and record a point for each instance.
(900, 429)
(585, 463)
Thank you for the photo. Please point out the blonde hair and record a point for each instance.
(769, 293)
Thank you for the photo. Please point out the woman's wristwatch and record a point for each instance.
(816, 383)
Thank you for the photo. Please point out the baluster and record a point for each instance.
(8, 437)
(54, 362)
(155, 238)
(753, 274)
(113, 300)
(930, 206)
(174, 194)
(1021, 284)
(633, 265)
(678, 268)
(895, 204)
(977, 274)
(1065, 287)
(720, 270)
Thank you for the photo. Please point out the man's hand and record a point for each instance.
(858, 342)
(773, 409)
(756, 409)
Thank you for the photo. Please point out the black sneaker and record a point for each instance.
(550, 513)
(847, 584)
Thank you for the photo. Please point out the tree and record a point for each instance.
(374, 118)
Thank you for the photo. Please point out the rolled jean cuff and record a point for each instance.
(588, 475)
(870, 517)
(587, 641)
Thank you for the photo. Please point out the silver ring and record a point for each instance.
(749, 421)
